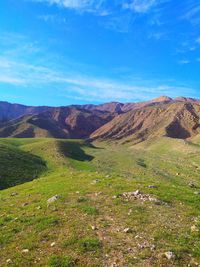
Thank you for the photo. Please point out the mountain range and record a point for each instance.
(124, 122)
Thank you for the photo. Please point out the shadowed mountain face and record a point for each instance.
(12, 111)
(136, 122)
(64, 122)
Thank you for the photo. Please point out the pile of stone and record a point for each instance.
(138, 195)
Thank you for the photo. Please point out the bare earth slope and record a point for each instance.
(64, 122)
(176, 120)
(162, 116)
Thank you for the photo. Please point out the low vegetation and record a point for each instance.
(89, 220)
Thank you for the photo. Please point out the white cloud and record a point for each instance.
(184, 62)
(193, 13)
(91, 6)
(11, 80)
(140, 6)
(80, 86)
(198, 40)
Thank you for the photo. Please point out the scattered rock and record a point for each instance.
(13, 194)
(169, 255)
(53, 244)
(127, 230)
(53, 199)
(25, 251)
(25, 204)
(193, 262)
(97, 194)
(143, 245)
(95, 181)
(130, 211)
(194, 228)
(192, 185)
(138, 195)
(94, 227)
(152, 186)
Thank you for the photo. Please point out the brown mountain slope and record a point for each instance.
(157, 101)
(113, 107)
(10, 111)
(176, 120)
(64, 122)
(117, 107)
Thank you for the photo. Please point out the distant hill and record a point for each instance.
(136, 122)
(64, 122)
(10, 111)
(176, 120)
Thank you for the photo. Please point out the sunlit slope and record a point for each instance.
(175, 120)
(91, 224)
(22, 160)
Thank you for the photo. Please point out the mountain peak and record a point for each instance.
(162, 98)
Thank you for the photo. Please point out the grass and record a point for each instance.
(61, 261)
(18, 166)
(86, 224)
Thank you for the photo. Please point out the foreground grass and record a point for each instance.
(86, 225)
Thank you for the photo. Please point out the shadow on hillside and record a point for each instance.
(74, 151)
(18, 167)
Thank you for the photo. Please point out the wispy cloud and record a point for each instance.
(184, 62)
(83, 87)
(90, 6)
(192, 13)
(140, 6)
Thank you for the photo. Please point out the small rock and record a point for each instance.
(13, 194)
(93, 227)
(8, 261)
(197, 193)
(152, 186)
(192, 185)
(177, 174)
(95, 181)
(25, 204)
(169, 255)
(77, 192)
(127, 230)
(53, 244)
(153, 247)
(193, 262)
(38, 208)
(25, 250)
(194, 228)
(136, 193)
(53, 199)
(130, 211)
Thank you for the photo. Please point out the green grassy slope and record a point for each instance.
(85, 226)
(17, 166)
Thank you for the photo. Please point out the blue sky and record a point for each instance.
(58, 52)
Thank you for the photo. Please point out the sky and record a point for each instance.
(61, 52)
